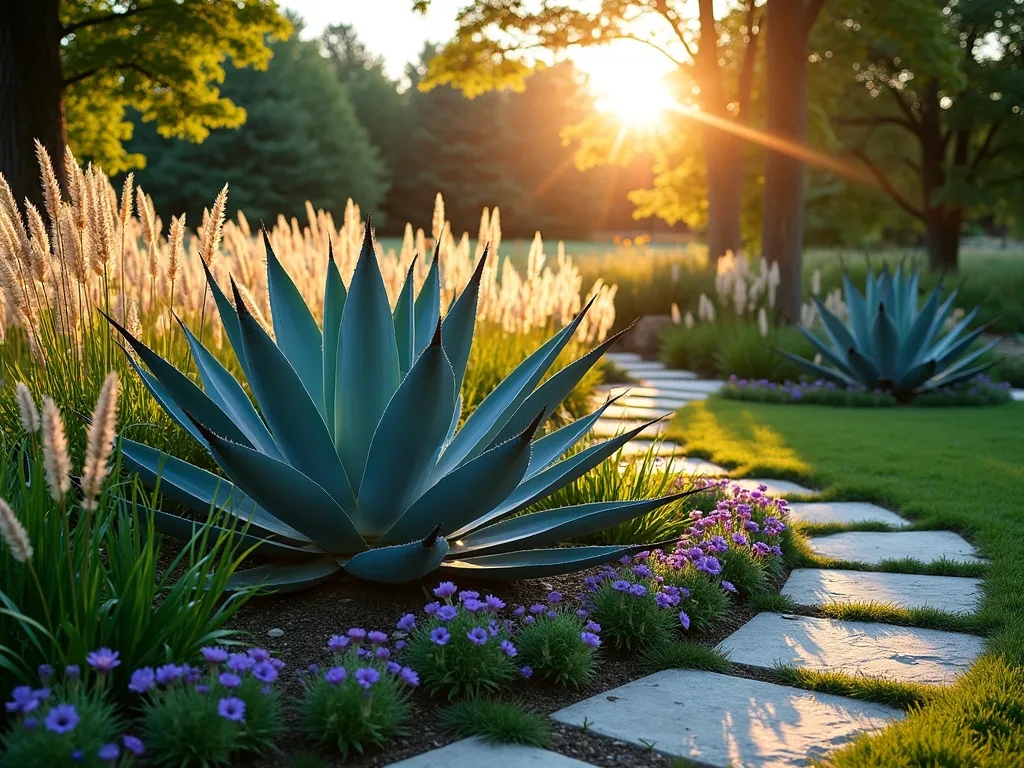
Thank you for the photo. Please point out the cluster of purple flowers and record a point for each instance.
(550, 610)
(828, 392)
(634, 578)
(359, 648)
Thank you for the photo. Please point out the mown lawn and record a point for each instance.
(959, 469)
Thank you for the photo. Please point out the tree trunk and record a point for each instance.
(942, 223)
(942, 238)
(725, 192)
(30, 93)
(782, 227)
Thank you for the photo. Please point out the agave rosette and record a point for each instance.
(351, 459)
(890, 343)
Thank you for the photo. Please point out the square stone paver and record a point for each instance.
(621, 358)
(813, 586)
(666, 403)
(634, 412)
(1017, 394)
(671, 380)
(776, 487)
(643, 390)
(873, 547)
(473, 753)
(613, 427)
(844, 512)
(724, 721)
(854, 647)
(642, 445)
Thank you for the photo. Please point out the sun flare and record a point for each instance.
(630, 85)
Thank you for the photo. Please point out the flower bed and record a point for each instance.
(978, 391)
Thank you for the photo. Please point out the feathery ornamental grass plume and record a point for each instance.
(51, 189)
(99, 442)
(26, 409)
(14, 535)
(213, 229)
(56, 462)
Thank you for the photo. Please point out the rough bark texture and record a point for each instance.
(942, 223)
(725, 192)
(30, 92)
(789, 25)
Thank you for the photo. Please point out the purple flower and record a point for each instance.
(638, 590)
(62, 718)
(407, 623)
(760, 548)
(30, 723)
(508, 649)
(554, 597)
(751, 526)
(203, 689)
(108, 753)
(378, 638)
(231, 708)
(526, 672)
(230, 680)
(591, 639)
(383, 654)
(258, 654)
(740, 539)
(73, 671)
(367, 676)
(104, 660)
(684, 619)
(168, 674)
(477, 636)
(400, 645)
(142, 680)
(338, 643)
(335, 675)
(431, 608)
(728, 586)
(440, 636)
(520, 611)
(468, 594)
(447, 612)
(710, 565)
(214, 655)
(77, 755)
(537, 608)
(239, 662)
(445, 590)
(265, 672)
(592, 626)
(45, 672)
(313, 669)
(191, 674)
(473, 605)
(409, 677)
(134, 745)
(393, 667)
(620, 585)
(23, 700)
(582, 613)
(642, 571)
(529, 620)
(356, 634)
(494, 603)
(277, 664)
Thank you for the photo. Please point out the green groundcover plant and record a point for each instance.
(979, 390)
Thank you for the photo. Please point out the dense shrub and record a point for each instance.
(557, 644)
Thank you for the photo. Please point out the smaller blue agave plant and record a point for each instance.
(890, 343)
(351, 458)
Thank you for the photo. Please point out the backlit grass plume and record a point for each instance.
(352, 457)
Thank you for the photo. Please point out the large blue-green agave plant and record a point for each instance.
(891, 344)
(350, 458)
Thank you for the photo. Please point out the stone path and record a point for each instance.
(816, 587)
(844, 512)
(472, 753)
(872, 548)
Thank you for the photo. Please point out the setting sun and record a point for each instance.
(628, 82)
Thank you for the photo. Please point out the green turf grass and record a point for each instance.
(961, 469)
(888, 692)
(684, 655)
(502, 722)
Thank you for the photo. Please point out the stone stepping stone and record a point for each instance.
(612, 427)
(641, 366)
(673, 379)
(844, 512)
(621, 358)
(661, 403)
(854, 647)
(636, 390)
(775, 487)
(873, 547)
(632, 412)
(473, 753)
(681, 465)
(1017, 394)
(717, 720)
(641, 445)
(814, 586)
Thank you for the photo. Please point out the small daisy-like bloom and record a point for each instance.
(277, 664)
(377, 638)
(202, 689)
(108, 753)
(554, 597)
(265, 672)
(440, 636)
(231, 708)
(104, 660)
(142, 680)
(728, 586)
(133, 744)
(638, 590)
(592, 626)
(23, 699)
(684, 619)
(520, 611)
(30, 723)
(73, 672)
(468, 594)
(751, 526)
(477, 636)
(739, 539)
(356, 634)
(168, 674)
(473, 605)
(239, 662)
(582, 614)
(445, 590)
(431, 608)
(625, 560)
(191, 674)
(77, 755)
(642, 571)
(409, 677)
(526, 672)
(537, 608)
(367, 676)
(529, 620)
(400, 645)
(494, 603)
(62, 718)
(338, 643)
(45, 672)
(230, 680)
(407, 623)
(214, 655)
(508, 649)
(393, 667)
(591, 639)
(552, 614)
(313, 669)
(383, 654)
(447, 612)
(620, 585)
(760, 548)
(335, 675)
(258, 654)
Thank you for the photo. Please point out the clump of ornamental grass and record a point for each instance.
(68, 720)
(361, 699)
(684, 654)
(463, 646)
(632, 608)
(558, 645)
(206, 716)
(747, 573)
(500, 722)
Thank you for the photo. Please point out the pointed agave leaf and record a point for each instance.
(913, 343)
(953, 338)
(295, 329)
(834, 328)
(400, 563)
(405, 322)
(334, 305)
(535, 563)
(551, 447)
(368, 371)
(428, 305)
(184, 530)
(885, 343)
(858, 311)
(956, 378)
(552, 393)
(409, 438)
(470, 491)
(226, 392)
(967, 359)
(550, 480)
(275, 485)
(915, 377)
(295, 421)
(819, 370)
(864, 368)
(825, 351)
(552, 526)
(950, 354)
(285, 578)
(186, 395)
(940, 319)
(228, 318)
(202, 491)
(170, 407)
(460, 323)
